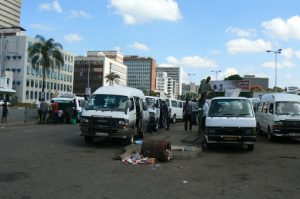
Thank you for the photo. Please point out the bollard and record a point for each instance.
(200, 121)
(25, 114)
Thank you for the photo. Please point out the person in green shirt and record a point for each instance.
(205, 87)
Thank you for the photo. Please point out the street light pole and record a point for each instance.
(216, 71)
(275, 52)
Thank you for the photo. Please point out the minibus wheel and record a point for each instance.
(88, 139)
(250, 147)
(174, 119)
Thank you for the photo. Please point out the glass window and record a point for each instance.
(230, 108)
(287, 108)
(107, 102)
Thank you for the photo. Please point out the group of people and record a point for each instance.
(190, 108)
(4, 111)
(50, 112)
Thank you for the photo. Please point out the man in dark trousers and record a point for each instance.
(165, 115)
(205, 87)
(187, 114)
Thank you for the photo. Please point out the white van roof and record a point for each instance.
(281, 97)
(230, 98)
(119, 90)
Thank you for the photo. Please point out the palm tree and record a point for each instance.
(47, 54)
(112, 77)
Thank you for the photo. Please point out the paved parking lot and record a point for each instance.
(52, 161)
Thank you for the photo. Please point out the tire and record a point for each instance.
(131, 138)
(88, 139)
(174, 119)
(250, 147)
(258, 130)
(271, 137)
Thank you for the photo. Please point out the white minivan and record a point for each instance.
(176, 108)
(278, 115)
(230, 120)
(114, 111)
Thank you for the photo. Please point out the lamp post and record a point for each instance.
(190, 75)
(275, 52)
(216, 71)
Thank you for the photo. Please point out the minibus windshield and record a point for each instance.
(106, 102)
(230, 108)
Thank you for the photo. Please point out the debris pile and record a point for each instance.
(137, 158)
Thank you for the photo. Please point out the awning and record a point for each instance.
(7, 90)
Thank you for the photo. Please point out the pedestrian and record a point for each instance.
(195, 111)
(204, 88)
(38, 106)
(4, 111)
(54, 111)
(165, 115)
(187, 114)
(44, 110)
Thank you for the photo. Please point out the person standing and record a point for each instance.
(204, 88)
(195, 111)
(44, 109)
(54, 110)
(4, 111)
(187, 114)
(165, 115)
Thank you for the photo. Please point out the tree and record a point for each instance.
(234, 77)
(47, 54)
(112, 77)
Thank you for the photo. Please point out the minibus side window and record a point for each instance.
(271, 108)
(131, 108)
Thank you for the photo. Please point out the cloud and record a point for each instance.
(192, 61)
(54, 6)
(216, 52)
(140, 11)
(78, 14)
(71, 38)
(240, 32)
(230, 71)
(41, 27)
(278, 27)
(247, 46)
(284, 64)
(139, 46)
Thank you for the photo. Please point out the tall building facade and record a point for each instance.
(175, 73)
(10, 13)
(27, 80)
(90, 72)
(162, 82)
(257, 81)
(141, 73)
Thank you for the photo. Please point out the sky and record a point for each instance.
(201, 36)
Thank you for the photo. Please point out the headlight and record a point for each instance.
(123, 122)
(84, 120)
(211, 130)
(151, 114)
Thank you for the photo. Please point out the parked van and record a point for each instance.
(154, 112)
(69, 100)
(278, 115)
(176, 108)
(230, 120)
(114, 111)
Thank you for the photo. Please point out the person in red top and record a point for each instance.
(54, 108)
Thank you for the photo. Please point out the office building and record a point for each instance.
(141, 73)
(257, 81)
(27, 80)
(175, 73)
(90, 72)
(10, 11)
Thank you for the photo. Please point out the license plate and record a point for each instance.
(230, 138)
(294, 134)
(101, 134)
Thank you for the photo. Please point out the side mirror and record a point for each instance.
(82, 103)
